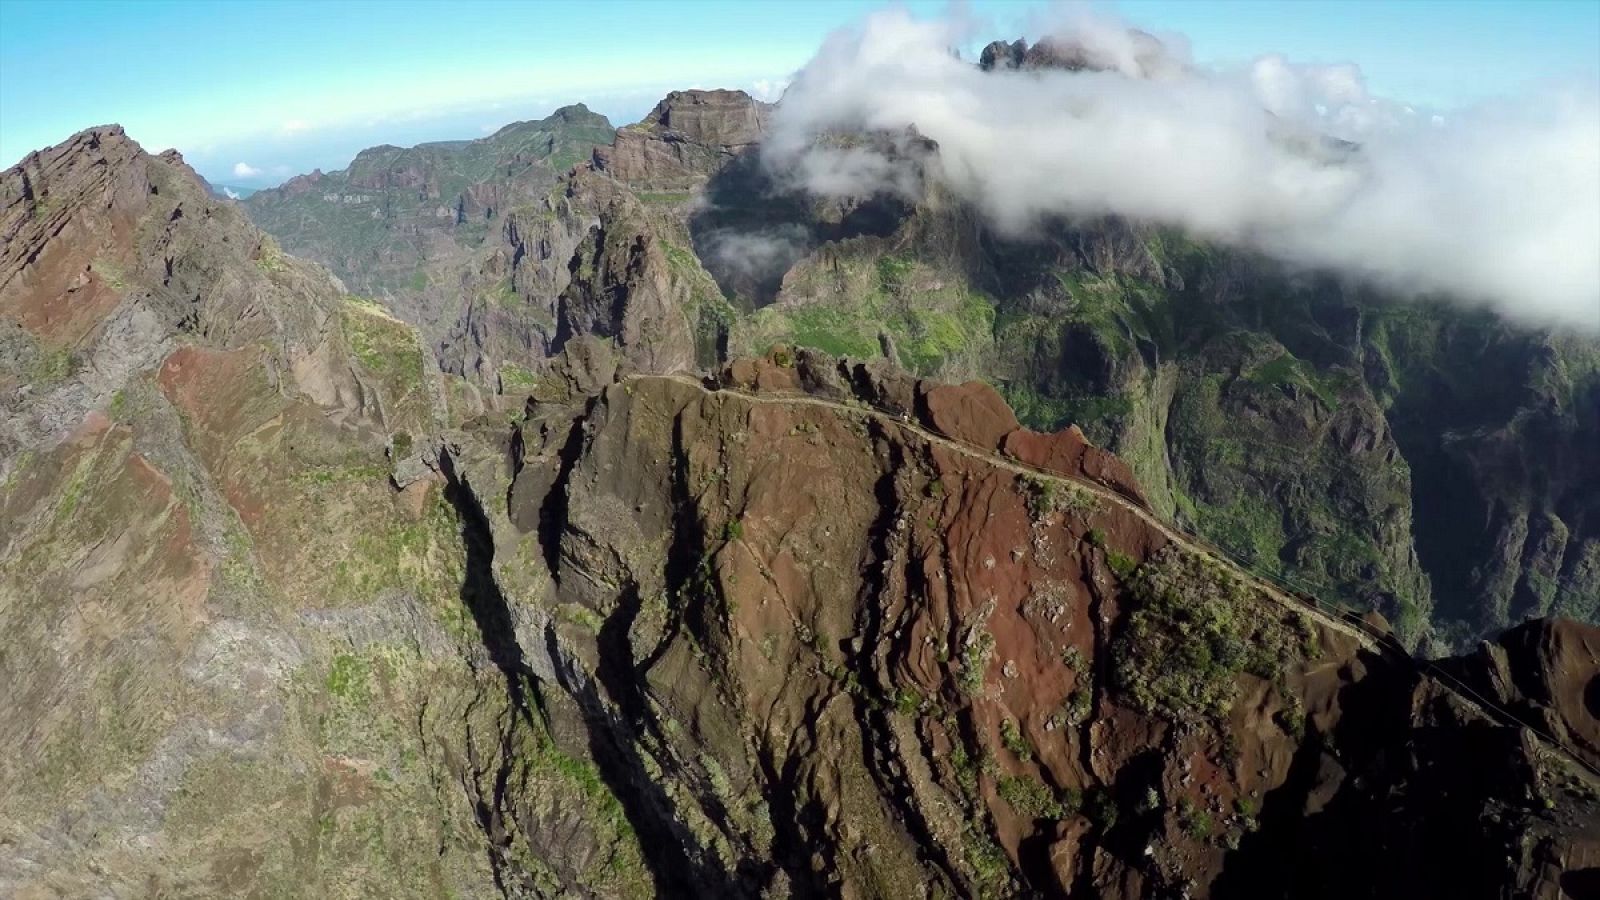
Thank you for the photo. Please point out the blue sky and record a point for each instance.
(283, 86)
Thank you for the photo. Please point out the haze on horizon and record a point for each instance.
(255, 91)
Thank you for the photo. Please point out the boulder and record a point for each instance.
(973, 412)
(1071, 454)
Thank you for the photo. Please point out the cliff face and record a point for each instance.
(285, 610)
(686, 139)
(935, 666)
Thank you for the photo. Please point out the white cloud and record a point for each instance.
(230, 193)
(1496, 204)
(295, 126)
(245, 170)
(768, 89)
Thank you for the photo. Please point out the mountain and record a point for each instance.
(1433, 463)
(288, 610)
(404, 224)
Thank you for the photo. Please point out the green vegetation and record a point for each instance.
(580, 615)
(1030, 798)
(516, 379)
(50, 366)
(894, 272)
(1037, 410)
(975, 656)
(347, 677)
(72, 493)
(110, 273)
(1287, 372)
(269, 258)
(991, 868)
(1101, 807)
(1121, 564)
(1011, 738)
(664, 198)
(326, 475)
(1073, 659)
(966, 771)
(1194, 820)
(1079, 706)
(937, 322)
(908, 701)
(1194, 628)
(391, 353)
(1048, 495)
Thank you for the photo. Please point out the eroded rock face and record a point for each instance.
(438, 231)
(685, 140)
(623, 288)
(904, 646)
(109, 255)
(1548, 673)
(228, 626)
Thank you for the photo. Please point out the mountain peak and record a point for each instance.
(714, 118)
(578, 114)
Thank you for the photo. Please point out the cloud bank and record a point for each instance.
(1497, 204)
(245, 170)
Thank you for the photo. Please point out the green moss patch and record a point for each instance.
(1193, 629)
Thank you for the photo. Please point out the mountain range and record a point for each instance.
(589, 511)
(1434, 464)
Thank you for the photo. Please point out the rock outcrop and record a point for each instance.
(1144, 56)
(623, 288)
(686, 139)
(1547, 672)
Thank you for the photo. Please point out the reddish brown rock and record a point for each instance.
(973, 412)
(761, 374)
(686, 139)
(67, 221)
(1546, 672)
(1071, 454)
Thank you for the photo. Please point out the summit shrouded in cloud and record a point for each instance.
(1498, 203)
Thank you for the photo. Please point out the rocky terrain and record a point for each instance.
(289, 610)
